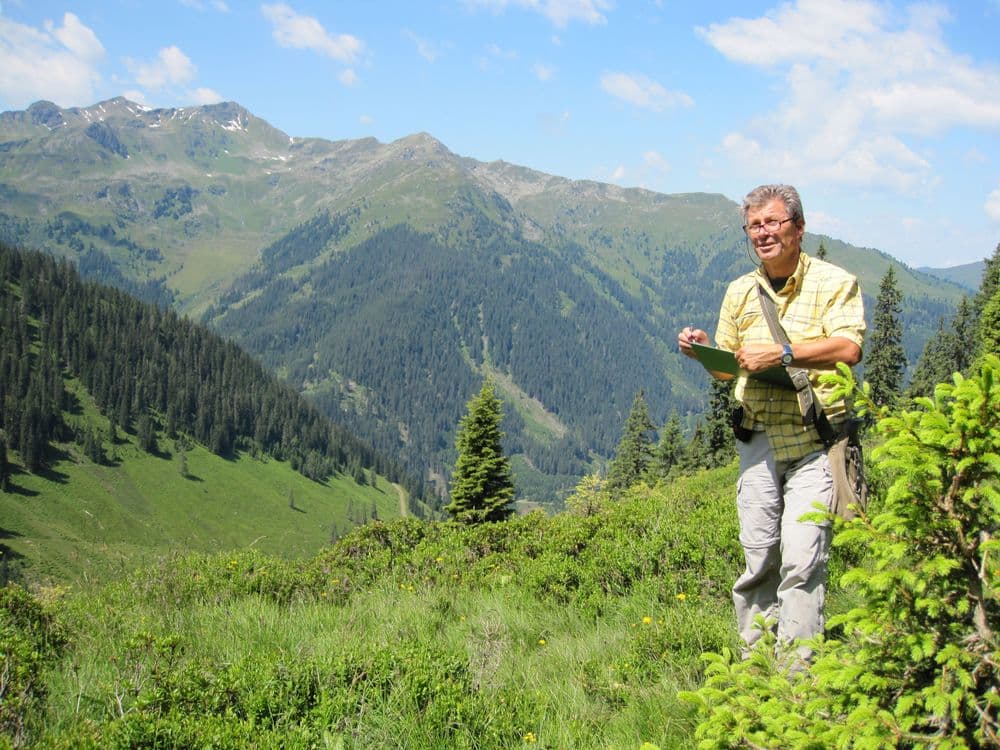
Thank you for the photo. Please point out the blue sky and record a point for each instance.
(885, 115)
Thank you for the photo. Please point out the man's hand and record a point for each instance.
(689, 335)
(758, 357)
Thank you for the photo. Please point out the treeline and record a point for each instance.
(958, 341)
(147, 369)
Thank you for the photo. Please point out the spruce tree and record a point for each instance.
(989, 326)
(146, 433)
(635, 448)
(987, 291)
(669, 451)
(936, 363)
(963, 335)
(719, 440)
(696, 455)
(482, 488)
(886, 358)
(4, 467)
(989, 284)
(821, 251)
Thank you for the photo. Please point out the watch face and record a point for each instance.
(786, 357)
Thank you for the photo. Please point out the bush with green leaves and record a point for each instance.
(31, 640)
(917, 663)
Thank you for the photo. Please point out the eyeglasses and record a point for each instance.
(768, 226)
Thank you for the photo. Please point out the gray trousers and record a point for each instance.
(786, 559)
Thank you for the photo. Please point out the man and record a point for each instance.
(784, 470)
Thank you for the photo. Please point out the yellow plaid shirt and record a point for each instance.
(820, 300)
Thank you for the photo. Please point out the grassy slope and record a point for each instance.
(80, 521)
(548, 632)
(558, 632)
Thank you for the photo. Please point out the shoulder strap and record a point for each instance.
(809, 406)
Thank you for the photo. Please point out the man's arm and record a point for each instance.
(820, 354)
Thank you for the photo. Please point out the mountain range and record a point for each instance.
(387, 280)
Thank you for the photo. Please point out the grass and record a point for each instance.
(80, 522)
(566, 666)
(567, 631)
(543, 632)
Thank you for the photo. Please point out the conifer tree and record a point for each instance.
(987, 291)
(989, 326)
(948, 351)
(963, 335)
(886, 358)
(4, 467)
(146, 433)
(936, 363)
(821, 251)
(719, 440)
(635, 448)
(669, 451)
(989, 284)
(696, 455)
(482, 488)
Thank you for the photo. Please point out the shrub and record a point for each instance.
(31, 640)
(917, 664)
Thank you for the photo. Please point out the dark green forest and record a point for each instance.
(149, 371)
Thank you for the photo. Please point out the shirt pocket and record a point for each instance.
(748, 324)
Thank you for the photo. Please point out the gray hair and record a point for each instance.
(784, 193)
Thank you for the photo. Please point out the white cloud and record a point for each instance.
(348, 77)
(643, 92)
(366, 119)
(655, 161)
(171, 67)
(59, 63)
(618, 174)
(134, 95)
(559, 12)
(992, 205)
(495, 50)
(544, 72)
(291, 29)
(425, 48)
(974, 155)
(198, 5)
(77, 38)
(206, 96)
(862, 90)
(555, 124)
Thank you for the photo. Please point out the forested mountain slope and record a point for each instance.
(386, 280)
(94, 382)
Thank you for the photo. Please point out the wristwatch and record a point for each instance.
(786, 355)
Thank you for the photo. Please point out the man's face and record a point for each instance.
(781, 246)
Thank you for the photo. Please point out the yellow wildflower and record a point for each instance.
(647, 620)
(530, 738)
(681, 596)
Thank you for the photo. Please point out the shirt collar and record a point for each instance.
(794, 281)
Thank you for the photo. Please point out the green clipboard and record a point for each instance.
(720, 360)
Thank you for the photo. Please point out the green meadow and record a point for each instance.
(570, 631)
(81, 522)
